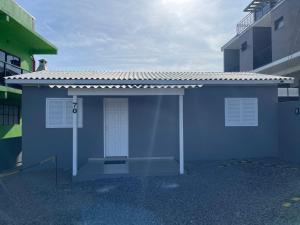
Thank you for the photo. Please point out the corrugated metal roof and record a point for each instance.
(145, 78)
(125, 86)
(50, 75)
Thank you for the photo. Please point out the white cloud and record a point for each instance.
(137, 35)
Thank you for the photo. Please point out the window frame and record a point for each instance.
(10, 113)
(13, 55)
(64, 125)
(244, 46)
(4, 56)
(241, 112)
(279, 23)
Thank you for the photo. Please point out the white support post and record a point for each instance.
(181, 146)
(75, 134)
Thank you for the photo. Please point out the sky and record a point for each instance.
(136, 35)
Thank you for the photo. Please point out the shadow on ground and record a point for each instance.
(221, 192)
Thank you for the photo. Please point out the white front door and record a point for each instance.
(115, 127)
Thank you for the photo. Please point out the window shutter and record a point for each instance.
(241, 112)
(59, 113)
(54, 113)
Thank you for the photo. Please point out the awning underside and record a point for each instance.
(258, 4)
(124, 86)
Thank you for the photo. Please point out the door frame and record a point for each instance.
(105, 100)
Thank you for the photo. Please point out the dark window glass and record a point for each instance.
(2, 74)
(244, 46)
(13, 60)
(9, 115)
(2, 56)
(279, 23)
(12, 70)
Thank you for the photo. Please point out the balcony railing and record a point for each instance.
(246, 22)
(7, 69)
(255, 15)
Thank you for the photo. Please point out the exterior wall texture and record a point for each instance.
(231, 60)
(289, 135)
(9, 151)
(154, 128)
(286, 40)
(246, 57)
(206, 136)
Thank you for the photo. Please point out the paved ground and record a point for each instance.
(231, 192)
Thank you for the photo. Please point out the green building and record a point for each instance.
(18, 44)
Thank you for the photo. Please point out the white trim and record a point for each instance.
(181, 144)
(278, 62)
(293, 92)
(288, 92)
(75, 141)
(289, 70)
(80, 112)
(283, 92)
(106, 100)
(125, 92)
(146, 82)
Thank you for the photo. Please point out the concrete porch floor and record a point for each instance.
(97, 169)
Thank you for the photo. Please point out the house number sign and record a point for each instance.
(75, 107)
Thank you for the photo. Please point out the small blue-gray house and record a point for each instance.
(147, 116)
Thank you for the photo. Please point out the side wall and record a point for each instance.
(206, 136)
(231, 60)
(246, 57)
(13, 47)
(289, 131)
(153, 126)
(286, 40)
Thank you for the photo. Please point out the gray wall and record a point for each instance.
(206, 136)
(257, 54)
(153, 126)
(231, 60)
(286, 40)
(289, 135)
(151, 133)
(246, 57)
(262, 46)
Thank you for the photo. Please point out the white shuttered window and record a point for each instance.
(241, 112)
(59, 112)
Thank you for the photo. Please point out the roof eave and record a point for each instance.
(29, 38)
(36, 82)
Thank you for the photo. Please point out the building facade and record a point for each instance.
(147, 116)
(267, 40)
(19, 42)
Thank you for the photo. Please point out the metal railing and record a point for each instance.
(8, 69)
(251, 18)
(246, 22)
